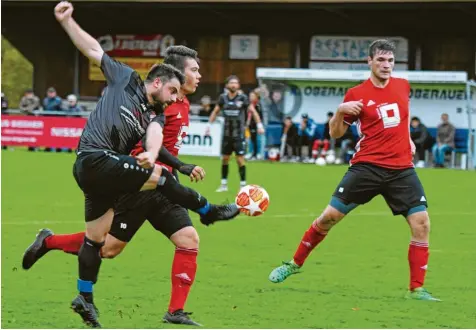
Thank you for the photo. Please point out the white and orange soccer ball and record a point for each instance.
(252, 200)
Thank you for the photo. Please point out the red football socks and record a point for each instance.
(69, 243)
(418, 260)
(309, 241)
(184, 268)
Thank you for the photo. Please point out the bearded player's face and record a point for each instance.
(233, 85)
(166, 93)
(381, 64)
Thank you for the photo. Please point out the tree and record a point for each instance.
(17, 73)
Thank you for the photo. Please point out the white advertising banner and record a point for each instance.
(316, 98)
(197, 144)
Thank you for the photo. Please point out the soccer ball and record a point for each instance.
(330, 159)
(252, 200)
(273, 154)
(321, 161)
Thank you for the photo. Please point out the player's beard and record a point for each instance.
(233, 90)
(158, 98)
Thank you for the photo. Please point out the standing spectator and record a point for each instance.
(422, 140)
(52, 102)
(320, 147)
(276, 107)
(4, 103)
(29, 102)
(445, 140)
(72, 107)
(306, 132)
(254, 144)
(289, 140)
(206, 106)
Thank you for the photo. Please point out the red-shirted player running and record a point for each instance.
(382, 165)
(171, 220)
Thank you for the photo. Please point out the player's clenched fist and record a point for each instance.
(352, 108)
(63, 11)
(145, 160)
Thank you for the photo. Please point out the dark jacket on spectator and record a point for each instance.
(326, 134)
(76, 108)
(253, 126)
(4, 103)
(292, 132)
(420, 134)
(52, 104)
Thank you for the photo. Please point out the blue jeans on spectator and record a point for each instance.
(255, 148)
(439, 153)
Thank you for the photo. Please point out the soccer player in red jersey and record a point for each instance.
(382, 165)
(171, 220)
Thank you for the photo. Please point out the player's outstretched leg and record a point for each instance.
(37, 249)
(312, 237)
(192, 200)
(418, 254)
(46, 241)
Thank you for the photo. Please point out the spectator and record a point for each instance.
(254, 144)
(52, 102)
(276, 107)
(206, 106)
(445, 140)
(320, 147)
(4, 103)
(72, 106)
(265, 102)
(347, 143)
(4, 110)
(29, 102)
(289, 140)
(306, 132)
(422, 140)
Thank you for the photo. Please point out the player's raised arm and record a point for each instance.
(82, 40)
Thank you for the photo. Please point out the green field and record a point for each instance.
(355, 279)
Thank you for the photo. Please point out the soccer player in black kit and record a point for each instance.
(235, 106)
(103, 168)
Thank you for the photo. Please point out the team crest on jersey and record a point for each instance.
(239, 104)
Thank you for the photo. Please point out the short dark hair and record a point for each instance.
(416, 118)
(177, 55)
(384, 45)
(232, 77)
(165, 72)
(330, 114)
